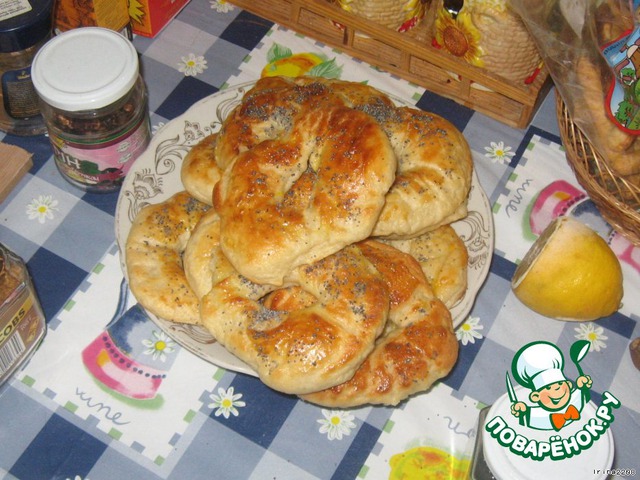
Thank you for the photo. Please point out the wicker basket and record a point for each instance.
(409, 55)
(398, 15)
(477, 34)
(617, 200)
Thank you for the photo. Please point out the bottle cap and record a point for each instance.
(84, 69)
(24, 25)
(591, 463)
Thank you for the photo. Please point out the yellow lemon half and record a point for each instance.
(569, 273)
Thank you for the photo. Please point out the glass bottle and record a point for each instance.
(24, 29)
(22, 322)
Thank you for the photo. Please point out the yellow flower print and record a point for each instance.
(469, 331)
(336, 424)
(42, 208)
(226, 402)
(593, 333)
(159, 346)
(428, 462)
(459, 36)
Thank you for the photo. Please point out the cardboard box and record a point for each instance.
(149, 17)
(112, 14)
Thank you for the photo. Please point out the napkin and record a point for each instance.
(542, 187)
(104, 359)
(280, 52)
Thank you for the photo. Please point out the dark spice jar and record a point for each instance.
(94, 103)
(24, 28)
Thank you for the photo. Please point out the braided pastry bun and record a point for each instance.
(434, 172)
(199, 172)
(433, 160)
(305, 195)
(302, 350)
(203, 261)
(417, 347)
(443, 257)
(154, 248)
(269, 108)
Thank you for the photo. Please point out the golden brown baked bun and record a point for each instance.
(305, 195)
(443, 257)
(311, 348)
(267, 110)
(355, 95)
(203, 260)
(433, 177)
(154, 248)
(199, 172)
(417, 348)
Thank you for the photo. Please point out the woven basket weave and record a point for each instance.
(490, 35)
(617, 200)
(389, 13)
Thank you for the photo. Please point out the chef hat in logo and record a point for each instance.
(537, 365)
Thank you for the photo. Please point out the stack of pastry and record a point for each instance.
(313, 240)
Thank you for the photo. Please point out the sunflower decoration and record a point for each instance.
(399, 15)
(459, 36)
(414, 11)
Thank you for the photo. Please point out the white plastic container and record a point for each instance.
(498, 461)
(94, 103)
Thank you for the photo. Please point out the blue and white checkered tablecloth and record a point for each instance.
(206, 422)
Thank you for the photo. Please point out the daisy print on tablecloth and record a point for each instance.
(336, 424)
(42, 208)
(159, 346)
(226, 402)
(592, 333)
(499, 153)
(469, 331)
(192, 65)
(221, 6)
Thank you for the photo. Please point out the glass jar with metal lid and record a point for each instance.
(94, 103)
(25, 27)
(22, 322)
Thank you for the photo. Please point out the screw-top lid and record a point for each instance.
(84, 69)
(23, 24)
(592, 463)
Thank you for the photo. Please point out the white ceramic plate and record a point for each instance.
(155, 176)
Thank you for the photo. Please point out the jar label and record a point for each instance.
(19, 95)
(21, 328)
(103, 162)
(13, 8)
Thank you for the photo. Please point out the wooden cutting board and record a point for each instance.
(15, 162)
